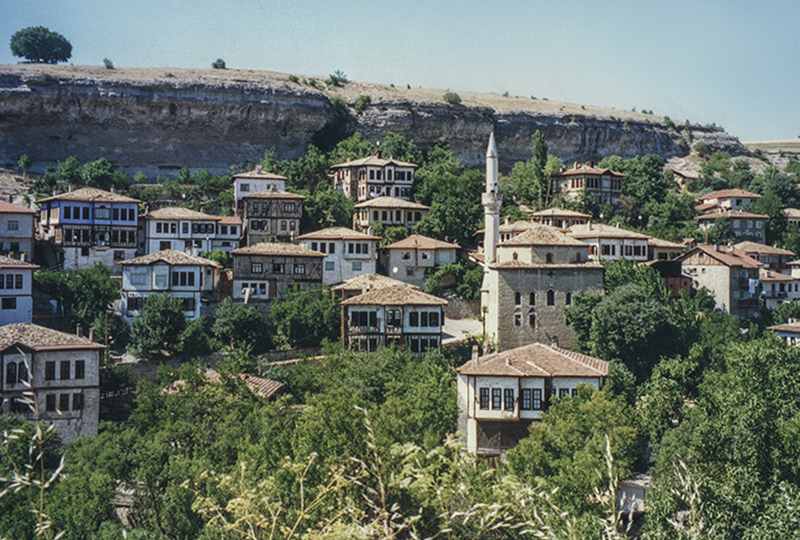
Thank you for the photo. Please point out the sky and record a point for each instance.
(734, 63)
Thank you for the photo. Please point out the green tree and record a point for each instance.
(307, 316)
(217, 255)
(38, 44)
(24, 163)
(219, 63)
(157, 329)
(241, 326)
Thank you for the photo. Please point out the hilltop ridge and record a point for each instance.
(157, 120)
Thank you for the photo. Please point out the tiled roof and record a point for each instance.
(258, 174)
(792, 213)
(8, 208)
(179, 213)
(375, 160)
(510, 265)
(230, 220)
(731, 215)
(259, 386)
(542, 235)
(395, 295)
(40, 338)
(729, 194)
(726, 255)
(537, 360)
(418, 241)
(601, 230)
(337, 233)
(705, 206)
(275, 248)
(770, 276)
(793, 328)
(762, 249)
(658, 242)
(391, 202)
(90, 194)
(9, 262)
(370, 282)
(507, 228)
(273, 193)
(172, 257)
(559, 212)
(586, 169)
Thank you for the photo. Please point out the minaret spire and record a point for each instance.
(491, 204)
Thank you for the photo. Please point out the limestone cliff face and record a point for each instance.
(160, 123)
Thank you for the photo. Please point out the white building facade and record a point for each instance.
(348, 253)
(17, 229)
(16, 291)
(408, 259)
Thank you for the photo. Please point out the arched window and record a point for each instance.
(517, 319)
(532, 318)
(514, 256)
(549, 258)
(11, 373)
(568, 299)
(517, 299)
(551, 297)
(532, 301)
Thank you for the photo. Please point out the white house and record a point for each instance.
(399, 314)
(252, 182)
(180, 229)
(374, 176)
(16, 230)
(501, 394)
(170, 271)
(607, 243)
(229, 234)
(16, 290)
(408, 259)
(51, 376)
(389, 212)
(727, 199)
(347, 253)
(789, 331)
(777, 288)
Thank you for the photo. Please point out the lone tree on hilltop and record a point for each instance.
(38, 44)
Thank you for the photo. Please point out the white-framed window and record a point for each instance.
(138, 279)
(357, 266)
(244, 188)
(13, 225)
(161, 280)
(330, 266)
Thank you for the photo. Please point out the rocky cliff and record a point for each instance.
(158, 120)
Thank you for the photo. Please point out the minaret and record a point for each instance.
(491, 205)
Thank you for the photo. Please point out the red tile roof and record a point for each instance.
(418, 241)
(337, 233)
(537, 360)
(40, 338)
(729, 194)
(10, 262)
(89, 194)
(8, 208)
(724, 254)
(376, 160)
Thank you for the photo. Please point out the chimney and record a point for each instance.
(508, 220)
(70, 188)
(91, 334)
(11, 199)
(591, 163)
(618, 225)
(576, 164)
(79, 331)
(554, 341)
(258, 169)
(474, 355)
(23, 256)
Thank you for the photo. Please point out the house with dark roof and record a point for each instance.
(267, 270)
(16, 291)
(374, 176)
(500, 395)
(271, 216)
(51, 376)
(186, 277)
(17, 231)
(348, 253)
(90, 225)
(408, 259)
(604, 185)
(180, 229)
(398, 315)
(728, 273)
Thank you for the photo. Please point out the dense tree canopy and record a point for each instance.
(38, 44)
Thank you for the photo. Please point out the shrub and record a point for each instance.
(108, 63)
(337, 78)
(294, 79)
(362, 102)
(452, 98)
(219, 63)
(701, 148)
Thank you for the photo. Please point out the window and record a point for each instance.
(484, 398)
(188, 304)
(164, 244)
(532, 319)
(11, 373)
(551, 297)
(161, 280)
(364, 318)
(278, 268)
(517, 299)
(102, 213)
(50, 403)
(85, 213)
(80, 369)
(115, 214)
(63, 402)
(568, 300)
(185, 228)
(256, 268)
(67, 212)
(357, 266)
(413, 318)
(183, 279)
(9, 303)
(394, 318)
(245, 188)
(288, 207)
(135, 303)
(525, 399)
(299, 269)
(433, 319)
(119, 255)
(736, 223)
(517, 319)
(406, 256)
(138, 279)
(574, 392)
(283, 225)
(13, 225)
(496, 398)
(549, 258)
(563, 393)
(409, 270)
(331, 247)
(85, 251)
(330, 266)
(532, 299)
(64, 371)
(536, 404)
(49, 371)
(77, 402)
(508, 399)
(759, 224)
(292, 225)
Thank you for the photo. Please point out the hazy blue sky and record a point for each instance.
(735, 63)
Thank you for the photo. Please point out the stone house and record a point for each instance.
(399, 315)
(500, 395)
(604, 185)
(348, 253)
(186, 277)
(408, 259)
(726, 272)
(389, 212)
(740, 223)
(272, 215)
(16, 291)
(51, 376)
(180, 229)
(254, 181)
(531, 283)
(374, 176)
(90, 225)
(607, 243)
(265, 271)
(17, 231)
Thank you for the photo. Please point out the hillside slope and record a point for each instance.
(158, 120)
